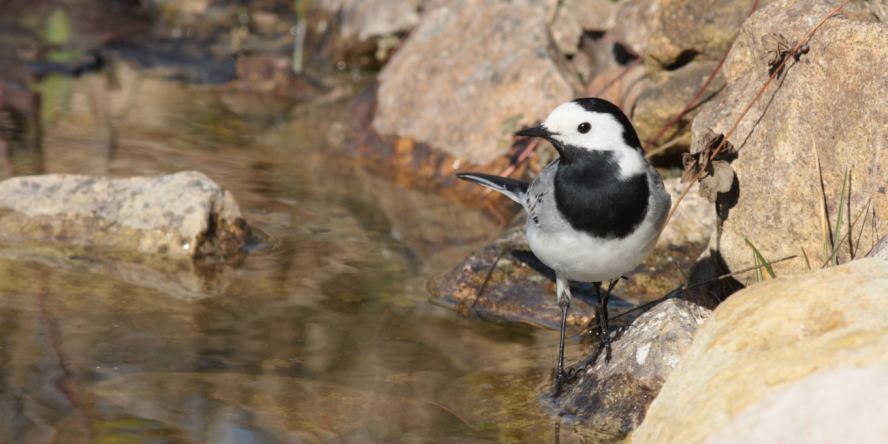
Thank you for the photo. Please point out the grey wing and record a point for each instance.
(660, 200)
(540, 204)
(512, 188)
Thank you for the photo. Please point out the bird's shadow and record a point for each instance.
(584, 291)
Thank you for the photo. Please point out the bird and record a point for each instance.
(595, 212)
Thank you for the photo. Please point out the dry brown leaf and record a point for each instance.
(717, 176)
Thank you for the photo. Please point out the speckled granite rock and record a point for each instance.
(766, 338)
(824, 103)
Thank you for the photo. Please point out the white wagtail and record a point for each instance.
(596, 212)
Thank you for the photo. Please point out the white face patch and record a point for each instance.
(605, 134)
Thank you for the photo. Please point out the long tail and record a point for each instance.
(514, 189)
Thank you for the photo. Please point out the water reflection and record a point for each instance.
(327, 337)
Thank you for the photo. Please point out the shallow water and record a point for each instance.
(323, 335)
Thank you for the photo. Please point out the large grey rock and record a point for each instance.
(615, 396)
(685, 30)
(469, 75)
(842, 405)
(766, 338)
(177, 216)
(823, 105)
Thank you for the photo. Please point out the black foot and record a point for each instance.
(561, 377)
(606, 340)
(604, 345)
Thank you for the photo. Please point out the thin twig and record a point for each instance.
(486, 279)
(447, 410)
(672, 294)
(499, 217)
(618, 77)
(699, 93)
(379, 324)
(678, 138)
(862, 227)
(755, 267)
(677, 292)
(521, 158)
(748, 107)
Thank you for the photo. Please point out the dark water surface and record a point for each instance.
(326, 335)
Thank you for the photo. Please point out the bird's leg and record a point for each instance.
(605, 338)
(604, 343)
(564, 302)
(594, 356)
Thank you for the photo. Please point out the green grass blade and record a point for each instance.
(759, 257)
(839, 219)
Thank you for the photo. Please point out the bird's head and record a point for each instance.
(587, 124)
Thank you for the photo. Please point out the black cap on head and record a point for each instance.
(596, 105)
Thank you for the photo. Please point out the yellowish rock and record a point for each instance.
(764, 338)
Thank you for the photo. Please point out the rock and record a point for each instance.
(667, 94)
(202, 16)
(620, 86)
(20, 135)
(796, 121)
(273, 76)
(612, 52)
(363, 20)
(472, 73)
(877, 8)
(766, 338)
(840, 405)
(684, 30)
(693, 221)
(505, 281)
(632, 23)
(179, 216)
(574, 17)
(615, 396)
(880, 251)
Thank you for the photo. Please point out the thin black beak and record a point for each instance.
(542, 132)
(537, 131)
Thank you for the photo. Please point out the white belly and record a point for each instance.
(583, 258)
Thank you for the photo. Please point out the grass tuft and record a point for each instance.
(835, 238)
(758, 257)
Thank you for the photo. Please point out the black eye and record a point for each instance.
(584, 128)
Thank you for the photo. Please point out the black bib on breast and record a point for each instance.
(592, 196)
